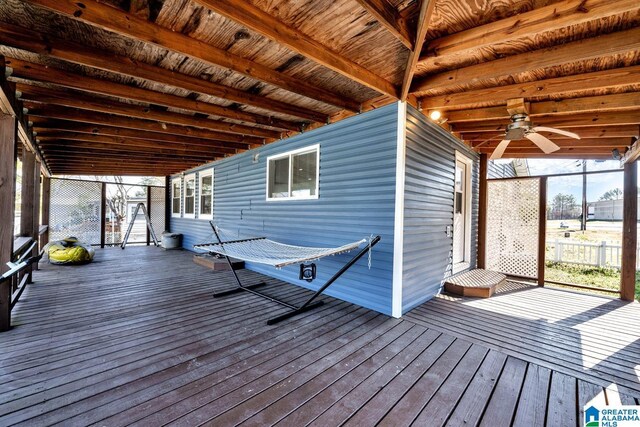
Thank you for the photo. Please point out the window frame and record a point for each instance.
(290, 154)
(204, 174)
(175, 214)
(184, 196)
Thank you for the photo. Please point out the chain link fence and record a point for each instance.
(77, 209)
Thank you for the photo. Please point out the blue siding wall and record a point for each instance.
(428, 208)
(356, 199)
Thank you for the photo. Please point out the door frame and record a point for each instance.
(468, 190)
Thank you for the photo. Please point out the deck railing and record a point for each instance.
(601, 254)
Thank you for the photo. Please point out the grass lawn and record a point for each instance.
(608, 278)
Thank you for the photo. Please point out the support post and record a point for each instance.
(482, 212)
(542, 230)
(46, 207)
(8, 132)
(36, 212)
(167, 203)
(629, 231)
(103, 214)
(27, 210)
(149, 213)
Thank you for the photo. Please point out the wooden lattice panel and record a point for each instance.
(512, 226)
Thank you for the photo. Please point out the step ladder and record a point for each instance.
(149, 226)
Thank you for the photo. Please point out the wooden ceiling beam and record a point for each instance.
(560, 154)
(549, 18)
(607, 79)
(617, 102)
(40, 73)
(65, 113)
(388, 17)
(621, 42)
(117, 141)
(602, 132)
(24, 39)
(33, 96)
(45, 126)
(112, 153)
(265, 24)
(92, 158)
(111, 19)
(12, 106)
(426, 10)
(558, 121)
(563, 143)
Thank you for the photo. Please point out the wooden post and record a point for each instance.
(46, 208)
(36, 210)
(8, 132)
(482, 212)
(542, 230)
(148, 213)
(27, 209)
(103, 214)
(167, 203)
(629, 232)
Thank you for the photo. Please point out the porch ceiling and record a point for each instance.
(158, 86)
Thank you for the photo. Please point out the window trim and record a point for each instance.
(204, 174)
(175, 214)
(184, 196)
(289, 154)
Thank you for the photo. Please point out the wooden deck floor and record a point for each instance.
(136, 339)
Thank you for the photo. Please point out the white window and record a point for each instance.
(205, 190)
(294, 175)
(190, 196)
(176, 196)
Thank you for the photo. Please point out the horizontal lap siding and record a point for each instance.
(428, 208)
(495, 170)
(357, 198)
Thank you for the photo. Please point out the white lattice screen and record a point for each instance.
(512, 226)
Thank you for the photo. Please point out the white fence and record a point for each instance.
(601, 254)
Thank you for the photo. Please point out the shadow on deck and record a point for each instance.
(136, 338)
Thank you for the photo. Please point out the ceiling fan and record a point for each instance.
(521, 128)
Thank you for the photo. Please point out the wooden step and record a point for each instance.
(217, 264)
(474, 283)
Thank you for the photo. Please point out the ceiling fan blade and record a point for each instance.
(543, 142)
(558, 131)
(486, 141)
(499, 151)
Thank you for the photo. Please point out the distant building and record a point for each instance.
(607, 210)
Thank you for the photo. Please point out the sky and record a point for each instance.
(597, 184)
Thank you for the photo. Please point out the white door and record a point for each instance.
(462, 213)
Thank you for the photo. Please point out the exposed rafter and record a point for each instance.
(593, 48)
(65, 113)
(36, 72)
(23, 38)
(545, 19)
(111, 19)
(602, 132)
(619, 102)
(261, 22)
(557, 121)
(607, 79)
(389, 17)
(426, 10)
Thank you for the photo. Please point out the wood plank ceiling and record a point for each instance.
(153, 87)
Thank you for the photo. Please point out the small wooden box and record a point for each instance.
(217, 264)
